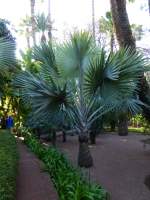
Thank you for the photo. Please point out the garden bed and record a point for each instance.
(8, 166)
(68, 180)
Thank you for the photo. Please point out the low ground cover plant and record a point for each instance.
(8, 166)
(69, 182)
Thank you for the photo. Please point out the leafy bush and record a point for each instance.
(69, 182)
(8, 166)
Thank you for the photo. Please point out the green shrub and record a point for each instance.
(69, 182)
(8, 166)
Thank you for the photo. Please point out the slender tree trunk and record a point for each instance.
(112, 42)
(112, 126)
(28, 38)
(49, 21)
(149, 5)
(84, 156)
(93, 19)
(121, 23)
(123, 126)
(32, 5)
(93, 137)
(64, 136)
(54, 138)
(43, 37)
(125, 39)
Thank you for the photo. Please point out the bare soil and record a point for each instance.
(32, 182)
(121, 164)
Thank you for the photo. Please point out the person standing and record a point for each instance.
(9, 123)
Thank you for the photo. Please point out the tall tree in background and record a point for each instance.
(93, 19)
(32, 6)
(25, 29)
(125, 39)
(121, 23)
(42, 25)
(106, 26)
(49, 20)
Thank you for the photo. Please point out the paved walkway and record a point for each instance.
(121, 164)
(32, 182)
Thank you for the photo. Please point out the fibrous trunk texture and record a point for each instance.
(121, 23)
(123, 126)
(84, 156)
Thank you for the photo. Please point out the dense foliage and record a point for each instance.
(69, 182)
(8, 166)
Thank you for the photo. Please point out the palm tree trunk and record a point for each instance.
(93, 137)
(93, 19)
(84, 156)
(112, 125)
(125, 39)
(121, 23)
(64, 136)
(50, 21)
(53, 137)
(112, 42)
(32, 5)
(123, 126)
(43, 37)
(28, 38)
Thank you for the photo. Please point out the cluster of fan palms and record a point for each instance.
(80, 82)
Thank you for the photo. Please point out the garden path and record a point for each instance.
(121, 164)
(32, 182)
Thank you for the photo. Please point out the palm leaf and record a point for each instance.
(7, 55)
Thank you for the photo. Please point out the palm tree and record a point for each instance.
(49, 21)
(32, 6)
(42, 25)
(106, 26)
(25, 29)
(125, 38)
(93, 18)
(121, 23)
(99, 82)
(7, 67)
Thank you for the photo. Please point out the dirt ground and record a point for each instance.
(120, 164)
(32, 182)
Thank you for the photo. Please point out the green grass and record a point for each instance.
(8, 166)
(68, 180)
(141, 130)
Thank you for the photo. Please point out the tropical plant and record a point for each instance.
(68, 180)
(42, 25)
(121, 23)
(7, 62)
(25, 29)
(28, 63)
(106, 26)
(49, 21)
(4, 30)
(125, 39)
(33, 25)
(97, 85)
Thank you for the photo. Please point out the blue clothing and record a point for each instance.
(9, 122)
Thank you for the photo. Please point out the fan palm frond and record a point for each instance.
(116, 75)
(45, 55)
(42, 22)
(7, 55)
(47, 100)
(76, 53)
